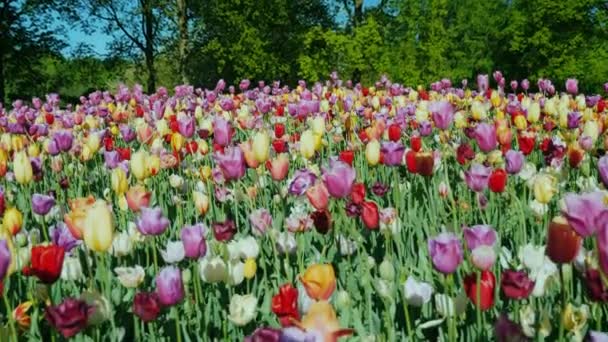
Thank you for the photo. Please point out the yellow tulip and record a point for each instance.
(317, 125)
(495, 99)
(520, 122)
(93, 142)
(120, 185)
(203, 147)
(574, 319)
(372, 152)
(534, 112)
(33, 150)
(261, 146)
(249, 268)
(12, 221)
(201, 202)
(91, 121)
(177, 141)
(544, 188)
(17, 142)
(307, 144)
(460, 120)
(5, 141)
(319, 281)
(86, 153)
(98, 227)
(139, 166)
(592, 130)
(162, 127)
(22, 167)
(478, 110)
(153, 164)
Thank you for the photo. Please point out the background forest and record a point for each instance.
(169, 42)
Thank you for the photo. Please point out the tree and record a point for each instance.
(135, 26)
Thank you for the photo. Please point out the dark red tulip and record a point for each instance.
(280, 110)
(46, 263)
(358, 193)
(464, 153)
(69, 317)
(563, 243)
(224, 231)
(347, 157)
(370, 215)
(394, 132)
(424, 163)
(285, 305)
(487, 284)
(596, 290)
(379, 189)
(321, 220)
(497, 180)
(575, 157)
(508, 331)
(516, 284)
(146, 306)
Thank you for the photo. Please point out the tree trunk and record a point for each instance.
(182, 22)
(358, 12)
(148, 17)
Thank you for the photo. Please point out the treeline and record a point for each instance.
(169, 42)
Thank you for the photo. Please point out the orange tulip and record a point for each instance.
(21, 317)
(278, 167)
(138, 197)
(75, 218)
(318, 196)
(322, 319)
(319, 281)
(247, 148)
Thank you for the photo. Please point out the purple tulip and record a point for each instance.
(227, 104)
(339, 178)
(231, 162)
(52, 148)
(479, 235)
(482, 82)
(572, 86)
(525, 84)
(392, 153)
(485, 134)
(507, 330)
(477, 177)
(586, 142)
(574, 119)
(62, 237)
(64, 140)
(193, 238)
(583, 210)
(265, 334)
(244, 85)
(169, 286)
(602, 239)
(112, 159)
(446, 252)
(498, 76)
(514, 85)
(302, 180)
(425, 128)
(186, 126)
(152, 222)
(222, 131)
(443, 113)
(606, 87)
(127, 133)
(596, 336)
(42, 204)
(261, 221)
(514, 161)
(5, 258)
(602, 165)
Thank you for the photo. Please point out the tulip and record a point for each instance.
(285, 305)
(572, 86)
(64, 140)
(477, 177)
(242, 309)
(392, 153)
(152, 222)
(544, 188)
(76, 217)
(425, 163)
(278, 167)
(602, 165)
(5, 258)
(321, 220)
(479, 235)
(370, 215)
(212, 270)
(394, 132)
(177, 141)
(130, 277)
(222, 131)
(319, 280)
(347, 157)
(22, 168)
(250, 160)
(69, 317)
(582, 211)
(186, 126)
(119, 181)
(301, 181)
(485, 135)
(339, 178)
(372, 152)
(146, 306)
(417, 293)
(318, 196)
(563, 243)
(98, 227)
(602, 240)
(446, 252)
(231, 163)
(516, 284)
(575, 318)
(12, 221)
(307, 144)
(137, 198)
(498, 180)
(169, 286)
(514, 161)
(193, 239)
(201, 202)
(483, 298)
(224, 231)
(174, 252)
(597, 291)
(443, 114)
(139, 165)
(46, 263)
(261, 146)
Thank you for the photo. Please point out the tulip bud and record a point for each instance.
(139, 168)
(372, 152)
(563, 243)
(261, 146)
(387, 270)
(98, 227)
(12, 221)
(22, 167)
(307, 144)
(120, 185)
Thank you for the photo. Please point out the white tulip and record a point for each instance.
(448, 306)
(121, 245)
(130, 277)
(174, 252)
(242, 309)
(417, 293)
(212, 269)
(72, 269)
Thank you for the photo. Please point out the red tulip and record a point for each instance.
(69, 317)
(526, 143)
(279, 130)
(108, 143)
(191, 147)
(410, 161)
(146, 306)
(370, 215)
(601, 105)
(416, 143)
(49, 118)
(358, 193)
(486, 285)
(46, 263)
(516, 284)
(563, 243)
(285, 305)
(464, 153)
(124, 153)
(425, 163)
(279, 146)
(394, 132)
(280, 110)
(347, 157)
(498, 180)
(575, 157)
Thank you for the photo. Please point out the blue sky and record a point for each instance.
(98, 41)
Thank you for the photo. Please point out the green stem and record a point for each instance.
(9, 315)
(178, 329)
